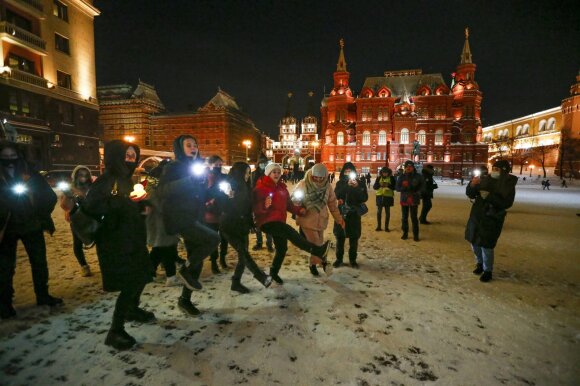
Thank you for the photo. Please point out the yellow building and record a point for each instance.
(535, 141)
(48, 94)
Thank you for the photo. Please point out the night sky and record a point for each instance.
(527, 52)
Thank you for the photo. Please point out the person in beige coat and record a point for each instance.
(316, 195)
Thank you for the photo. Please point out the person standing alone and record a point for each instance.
(427, 193)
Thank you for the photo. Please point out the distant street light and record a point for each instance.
(314, 146)
(248, 144)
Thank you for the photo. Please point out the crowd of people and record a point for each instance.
(140, 225)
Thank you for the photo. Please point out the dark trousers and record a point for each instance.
(414, 220)
(78, 249)
(223, 244)
(260, 239)
(241, 244)
(352, 249)
(200, 241)
(387, 215)
(425, 208)
(127, 301)
(282, 233)
(36, 250)
(165, 255)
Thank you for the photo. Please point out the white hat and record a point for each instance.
(319, 170)
(270, 167)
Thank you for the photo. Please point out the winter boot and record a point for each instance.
(7, 311)
(119, 339)
(416, 237)
(86, 271)
(186, 276)
(276, 278)
(140, 315)
(266, 280)
(405, 236)
(187, 306)
(270, 248)
(478, 269)
(378, 228)
(239, 287)
(48, 300)
(354, 264)
(485, 277)
(314, 270)
(214, 267)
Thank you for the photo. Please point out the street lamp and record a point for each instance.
(129, 138)
(248, 144)
(314, 146)
(531, 169)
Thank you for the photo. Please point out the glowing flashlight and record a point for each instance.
(477, 172)
(138, 191)
(19, 188)
(225, 187)
(198, 169)
(352, 175)
(63, 186)
(298, 194)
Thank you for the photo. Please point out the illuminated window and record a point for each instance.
(61, 44)
(422, 137)
(382, 137)
(439, 137)
(518, 130)
(404, 136)
(366, 139)
(526, 129)
(383, 114)
(60, 10)
(542, 125)
(340, 138)
(551, 124)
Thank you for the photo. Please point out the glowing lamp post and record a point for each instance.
(314, 146)
(531, 169)
(247, 143)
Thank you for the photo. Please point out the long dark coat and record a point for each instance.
(122, 239)
(237, 216)
(487, 215)
(353, 197)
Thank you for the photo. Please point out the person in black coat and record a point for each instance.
(183, 193)
(351, 192)
(236, 222)
(213, 210)
(410, 184)
(121, 239)
(256, 175)
(427, 193)
(493, 195)
(26, 202)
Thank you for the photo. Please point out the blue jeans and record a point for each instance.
(483, 256)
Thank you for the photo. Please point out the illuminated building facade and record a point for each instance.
(546, 141)
(405, 115)
(48, 96)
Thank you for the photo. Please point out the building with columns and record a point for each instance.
(48, 95)
(546, 141)
(298, 144)
(405, 115)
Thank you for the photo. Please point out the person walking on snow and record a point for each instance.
(256, 175)
(213, 210)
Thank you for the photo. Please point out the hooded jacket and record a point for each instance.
(352, 196)
(182, 194)
(314, 219)
(121, 239)
(77, 193)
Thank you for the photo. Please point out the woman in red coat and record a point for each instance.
(271, 202)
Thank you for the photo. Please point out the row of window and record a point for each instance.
(403, 137)
(544, 125)
(382, 114)
(26, 105)
(19, 63)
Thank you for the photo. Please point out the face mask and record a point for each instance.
(131, 165)
(495, 175)
(8, 162)
(262, 166)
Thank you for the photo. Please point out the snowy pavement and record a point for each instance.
(413, 314)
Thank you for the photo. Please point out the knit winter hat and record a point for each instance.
(270, 168)
(319, 170)
(409, 162)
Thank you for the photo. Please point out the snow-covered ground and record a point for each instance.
(413, 314)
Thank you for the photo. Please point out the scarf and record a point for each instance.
(314, 196)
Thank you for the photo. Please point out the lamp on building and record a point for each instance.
(129, 138)
(531, 169)
(247, 143)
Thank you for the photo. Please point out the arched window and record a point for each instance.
(526, 129)
(518, 130)
(340, 138)
(542, 125)
(382, 137)
(439, 137)
(366, 140)
(551, 124)
(422, 137)
(404, 136)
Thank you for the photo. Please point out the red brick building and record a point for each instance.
(405, 115)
